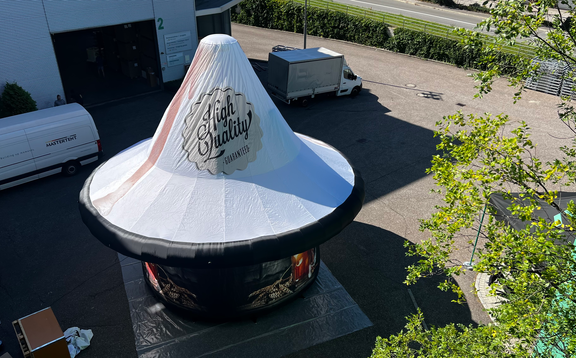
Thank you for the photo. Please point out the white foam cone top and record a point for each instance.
(223, 165)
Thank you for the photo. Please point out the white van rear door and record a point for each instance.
(16, 159)
(56, 143)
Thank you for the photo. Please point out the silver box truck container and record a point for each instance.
(303, 74)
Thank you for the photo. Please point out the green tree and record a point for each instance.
(15, 100)
(481, 155)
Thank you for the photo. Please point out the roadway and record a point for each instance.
(422, 11)
(428, 12)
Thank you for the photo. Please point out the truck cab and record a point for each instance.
(350, 83)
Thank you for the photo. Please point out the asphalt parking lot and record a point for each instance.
(49, 258)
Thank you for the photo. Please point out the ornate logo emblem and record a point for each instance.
(222, 132)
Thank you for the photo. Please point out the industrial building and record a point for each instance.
(102, 49)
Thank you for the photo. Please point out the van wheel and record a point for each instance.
(304, 102)
(355, 91)
(70, 168)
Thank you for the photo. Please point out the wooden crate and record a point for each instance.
(40, 335)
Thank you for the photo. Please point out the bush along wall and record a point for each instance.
(15, 100)
(287, 16)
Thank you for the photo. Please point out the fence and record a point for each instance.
(554, 78)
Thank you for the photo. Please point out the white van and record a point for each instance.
(45, 142)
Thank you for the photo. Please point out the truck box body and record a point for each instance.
(40, 143)
(299, 73)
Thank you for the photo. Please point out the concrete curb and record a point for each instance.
(487, 299)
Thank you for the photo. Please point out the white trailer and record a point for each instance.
(303, 74)
(45, 142)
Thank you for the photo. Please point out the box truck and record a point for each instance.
(45, 142)
(303, 74)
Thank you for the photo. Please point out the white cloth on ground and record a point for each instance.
(78, 339)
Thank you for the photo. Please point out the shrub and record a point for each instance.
(287, 16)
(15, 100)
(432, 47)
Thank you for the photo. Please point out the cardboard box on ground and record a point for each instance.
(40, 335)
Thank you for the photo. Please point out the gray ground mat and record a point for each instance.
(325, 311)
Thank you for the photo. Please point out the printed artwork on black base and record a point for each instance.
(236, 291)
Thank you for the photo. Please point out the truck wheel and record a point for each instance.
(304, 102)
(70, 168)
(355, 91)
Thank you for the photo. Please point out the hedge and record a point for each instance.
(287, 16)
(432, 47)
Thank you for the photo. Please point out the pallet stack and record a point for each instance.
(551, 79)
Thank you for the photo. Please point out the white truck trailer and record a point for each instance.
(303, 74)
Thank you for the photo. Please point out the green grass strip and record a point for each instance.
(431, 28)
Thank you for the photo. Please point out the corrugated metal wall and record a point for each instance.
(64, 16)
(26, 50)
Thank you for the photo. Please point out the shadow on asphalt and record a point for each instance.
(370, 263)
(390, 153)
(49, 258)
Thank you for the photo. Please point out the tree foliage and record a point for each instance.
(15, 100)
(453, 340)
(482, 155)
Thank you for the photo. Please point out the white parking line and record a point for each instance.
(415, 12)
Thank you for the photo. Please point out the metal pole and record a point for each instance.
(469, 264)
(305, 21)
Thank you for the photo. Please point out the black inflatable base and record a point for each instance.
(233, 292)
